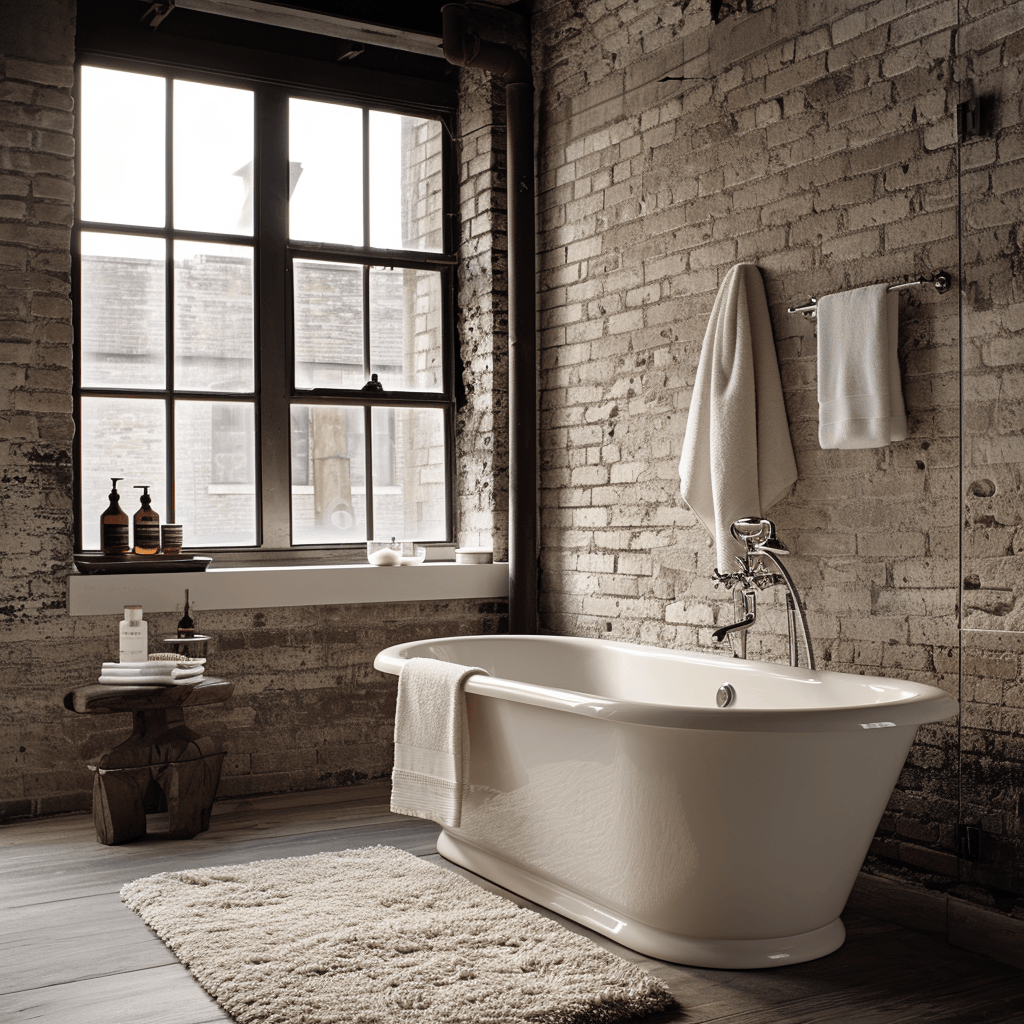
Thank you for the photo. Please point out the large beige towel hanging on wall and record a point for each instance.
(737, 456)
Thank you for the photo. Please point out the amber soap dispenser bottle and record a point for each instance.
(114, 525)
(147, 525)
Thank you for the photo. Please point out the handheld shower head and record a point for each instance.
(759, 536)
(751, 531)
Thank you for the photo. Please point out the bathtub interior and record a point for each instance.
(615, 671)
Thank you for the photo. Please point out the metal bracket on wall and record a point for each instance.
(974, 117)
(969, 841)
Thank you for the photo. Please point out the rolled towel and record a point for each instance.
(431, 740)
(860, 397)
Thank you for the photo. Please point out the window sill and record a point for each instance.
(285, 586)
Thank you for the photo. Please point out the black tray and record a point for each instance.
(96, 564)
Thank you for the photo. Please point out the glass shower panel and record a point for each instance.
(989, 73)
(991, 214)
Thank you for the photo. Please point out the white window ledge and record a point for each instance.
(286, 586)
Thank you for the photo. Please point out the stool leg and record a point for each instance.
(190, 787)
(117, 805)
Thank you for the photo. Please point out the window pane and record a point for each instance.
(325, 153)
(405, 329)
(213, 158)
(328, 325)
(122, 311)
(405, 182)
(213, 317)
(330, 507)
(122, 156)
(123, 437)
(215, 480)
(409, 451)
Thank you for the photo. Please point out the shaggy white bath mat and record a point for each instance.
(377, 936)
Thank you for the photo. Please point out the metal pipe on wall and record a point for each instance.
(463, 47)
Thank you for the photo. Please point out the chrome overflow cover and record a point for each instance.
(726, 695)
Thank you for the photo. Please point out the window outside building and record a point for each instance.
(258, 265)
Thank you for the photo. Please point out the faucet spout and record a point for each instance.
(723, 631)
(745, 602)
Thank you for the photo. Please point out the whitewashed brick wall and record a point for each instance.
(817, 140)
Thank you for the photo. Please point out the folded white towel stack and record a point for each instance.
(431, 740)
(152, 673)
(860, 400)
(737, 457)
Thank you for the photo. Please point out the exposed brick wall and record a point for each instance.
(817, 140)
(482, 320)
(822, 146)
(309, 710)
(37, 194)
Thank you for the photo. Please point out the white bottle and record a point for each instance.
(134, 635)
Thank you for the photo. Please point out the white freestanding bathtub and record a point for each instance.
(606, 784)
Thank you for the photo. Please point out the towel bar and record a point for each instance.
(941, 280)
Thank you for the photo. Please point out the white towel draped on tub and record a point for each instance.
(737, 457)
(431, 740)
(860, 399)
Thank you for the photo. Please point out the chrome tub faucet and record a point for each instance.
(761, 543)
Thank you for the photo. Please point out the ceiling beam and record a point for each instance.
(317, 23)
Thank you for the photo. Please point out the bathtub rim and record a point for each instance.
(926, 704)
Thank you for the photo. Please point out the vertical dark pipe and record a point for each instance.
(522, 358)
(464, 48)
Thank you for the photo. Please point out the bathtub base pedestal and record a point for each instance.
(732, 954)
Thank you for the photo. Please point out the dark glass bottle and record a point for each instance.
(146, 525)
(186, 627)
(114, 525)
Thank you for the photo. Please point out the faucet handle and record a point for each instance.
(730, 579)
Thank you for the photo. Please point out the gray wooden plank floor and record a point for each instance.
(71, 953)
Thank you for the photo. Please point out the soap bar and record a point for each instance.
(385, 556)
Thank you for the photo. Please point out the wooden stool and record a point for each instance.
(163, 765)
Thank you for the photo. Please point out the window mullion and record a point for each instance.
(169, 338)
(274, 356)
(367, 411)
(368, 441)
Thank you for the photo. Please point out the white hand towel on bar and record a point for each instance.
(737, 458)
(431, 740)
(860, 399)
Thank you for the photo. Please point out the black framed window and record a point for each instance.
(264, 309)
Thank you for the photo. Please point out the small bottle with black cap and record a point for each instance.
(146, 525)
